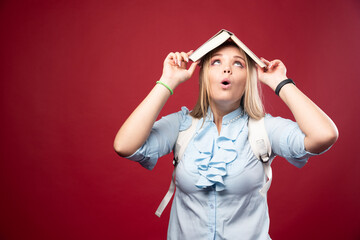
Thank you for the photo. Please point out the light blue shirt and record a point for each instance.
(219, 178)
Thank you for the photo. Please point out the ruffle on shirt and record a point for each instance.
(213, 168)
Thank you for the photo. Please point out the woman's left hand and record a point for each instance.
(320, 131)
(273, 74)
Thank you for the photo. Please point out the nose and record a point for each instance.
(227, 70)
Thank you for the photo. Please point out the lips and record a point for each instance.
(225, 83)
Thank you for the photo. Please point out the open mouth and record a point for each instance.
(225, 82)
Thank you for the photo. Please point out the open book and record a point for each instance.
(219, 39)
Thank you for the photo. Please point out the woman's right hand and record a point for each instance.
(136, 129)
(175, 69)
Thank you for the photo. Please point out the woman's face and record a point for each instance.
(227, 77)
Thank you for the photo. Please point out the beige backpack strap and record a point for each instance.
(180, 146)
(259, 140)
(261, 147)
(268, 174)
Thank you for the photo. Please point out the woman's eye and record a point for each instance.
(238, 64)
(215, 62)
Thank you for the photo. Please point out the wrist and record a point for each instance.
(281, 84)
(164, 85)
(276, 80)
(168, 82)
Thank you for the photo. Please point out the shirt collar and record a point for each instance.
(228, 118)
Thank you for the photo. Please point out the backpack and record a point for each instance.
(259, 142)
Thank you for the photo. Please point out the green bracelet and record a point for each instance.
(171, 91)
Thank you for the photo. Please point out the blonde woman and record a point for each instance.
(218, 178)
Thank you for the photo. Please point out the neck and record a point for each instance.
(220, 111)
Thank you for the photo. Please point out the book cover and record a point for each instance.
(218, 39)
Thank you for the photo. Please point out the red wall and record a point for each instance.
(72, 71)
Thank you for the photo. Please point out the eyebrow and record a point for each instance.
(218, 54)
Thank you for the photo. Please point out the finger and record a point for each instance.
(171, 58)
(185, 60)
(178, 59)
(271, 65)
(279, 64)
(275, 63)
(268, 63)
(185, 56)
(190, 52)
(265, 61)
(193, 67)
(170, 55)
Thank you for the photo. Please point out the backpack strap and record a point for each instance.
(261, 147)
(180, 146)
(183, 140)
(167, 197)
(268, 174)
(259, 140)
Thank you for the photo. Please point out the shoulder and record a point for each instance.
(284, 132)
(181, 118)
(278, 127)
(186, 119)
(277, 122)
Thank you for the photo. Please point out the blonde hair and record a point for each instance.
(250, 101)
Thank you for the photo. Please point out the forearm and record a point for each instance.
(320, 131)
(136, 129)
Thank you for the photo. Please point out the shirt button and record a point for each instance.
(211, 206)
(211, 229)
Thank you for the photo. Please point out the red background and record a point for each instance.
(72, 71)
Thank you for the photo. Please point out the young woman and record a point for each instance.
(218, 178)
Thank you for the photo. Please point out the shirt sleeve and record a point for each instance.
(162, 138)
(287, 140)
